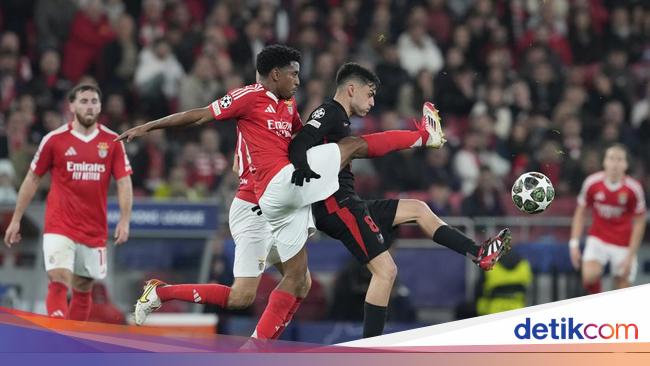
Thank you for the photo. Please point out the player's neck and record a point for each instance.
(613, 179)
(266, 86)
(78, 127)
(341, 100)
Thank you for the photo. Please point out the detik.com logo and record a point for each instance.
(569, 328)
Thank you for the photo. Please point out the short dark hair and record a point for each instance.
(353, 70)
(622, 147)
(72, 95)
(276, 55)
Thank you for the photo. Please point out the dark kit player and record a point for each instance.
(363, 225)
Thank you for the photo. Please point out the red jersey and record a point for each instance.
(246, 189)
(266, 123)
(81, 168)
(613, 207)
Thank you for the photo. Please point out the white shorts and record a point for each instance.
(603, 253)
(59, 251)
(287, 207)
(254, 245)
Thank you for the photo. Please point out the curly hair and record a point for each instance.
(276, 55)
(353, 70)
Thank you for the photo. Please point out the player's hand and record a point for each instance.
(12, 235)
(301, 175)
(132, 133)
(575, 257)
(121, 232)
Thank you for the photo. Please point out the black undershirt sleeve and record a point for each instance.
(312, 133)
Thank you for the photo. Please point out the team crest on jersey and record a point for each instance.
(319, 113)
(622, 198)
(289, 106)
(225, 101)
(102, 149)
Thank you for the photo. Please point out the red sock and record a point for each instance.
(292, 311)
(80, 305)
(380, 144)
(594, 288)
(275, 314)
(212, 293)
(56, 301)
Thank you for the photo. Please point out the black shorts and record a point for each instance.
(364, 227)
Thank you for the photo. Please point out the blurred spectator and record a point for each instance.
(474, 154)
(486, 198)
(315, 91)
(209, 164)
(151, 24)
(52, 120)
(456, 92)
(586, 46)
(417, 50)
(121, 55)
(8, 194)
(150, 162)
(438, 168)
(199, 88)
(494, 105)
(53, 20)
(641, 109)
(413, 95)
(49, 87)
(90, 32)
(176, 187)
(393, 78)
(439, 194)
(157, 77)
(9, 42)
(114, 112)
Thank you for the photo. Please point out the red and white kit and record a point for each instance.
(75, 217)
(267, 124)
(254, 244)
(613, 207)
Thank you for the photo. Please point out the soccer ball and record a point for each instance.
(532, 192)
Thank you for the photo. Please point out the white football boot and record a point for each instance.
(148, 302)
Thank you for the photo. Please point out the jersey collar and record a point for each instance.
(82, 137)
(343, 112)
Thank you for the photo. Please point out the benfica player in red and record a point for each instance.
(267, 117)
(618, 208)
(81, 156)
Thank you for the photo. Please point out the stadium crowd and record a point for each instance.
(522, 85)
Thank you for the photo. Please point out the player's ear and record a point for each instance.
(275, 74)
(350, 89)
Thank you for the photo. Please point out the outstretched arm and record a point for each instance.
(195, 116)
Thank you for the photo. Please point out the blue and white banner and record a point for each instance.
(619, 316)
(167, 216)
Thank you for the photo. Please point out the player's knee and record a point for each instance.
(61, 276)
(590, 277)
(386, 272)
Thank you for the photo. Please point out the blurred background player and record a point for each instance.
(366, 227)
(82, 156)
(617, 203)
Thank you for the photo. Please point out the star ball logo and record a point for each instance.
(569, 328)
